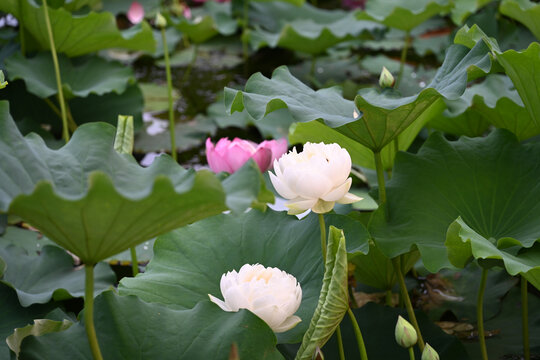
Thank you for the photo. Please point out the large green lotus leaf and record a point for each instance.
(316, 131)
(80, 77)
(51, 275)
(14, 315)
(403, 15)
(306, 29)
(223, 243)
(29, 240)
(490, 182)
(493, 101)
(128, 328)
(79, 34)
(524, 11)
(382, 118)
(464, 244)
(463, 8)
(207, 21)
(40, 327)
(521, 66)
(333, 300)
(118, 203)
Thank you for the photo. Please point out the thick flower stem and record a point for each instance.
(408, 305)
(323, 236)
(525, 319)
(380, 177)
(340, 344)
(403, 58)
(89, 312)
(134, 261)
(411, 353)
(358, 334)
(480, 314)
(65, 132)
(169, 94)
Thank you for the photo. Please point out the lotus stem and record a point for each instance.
(340, 344)
(191, 63)
(411, 353)
(380, 177)
(388, 298)
(65, 131)
(407, 300)
(169, 93)
(72, 125)
(358, 334)
(322, 225)
(480, 314)
(134, 262)
(396, 144)
(89, 312)
(403, 58)
(525, 319)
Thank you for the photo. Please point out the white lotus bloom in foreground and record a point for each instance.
(270, 293)
(315, 179)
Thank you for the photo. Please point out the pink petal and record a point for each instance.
(135, 13)
(278, 147)
(214, 157)
(263, 158)
(237, 155)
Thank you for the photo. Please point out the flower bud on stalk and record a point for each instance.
(386, 79)
(271, 294)
(160, 21)
(405, 334)
(429, 353)
(315, 178)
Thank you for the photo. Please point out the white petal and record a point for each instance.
(349, 199)
(281, 188)
(322, 207)
(219, 303)
(338, 192)
(288, 324)
(299, 205)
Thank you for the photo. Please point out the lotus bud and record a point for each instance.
(429, 353)
(405, 333)
(315, 178)
(135, 13)
(229, 155)
(270, 293)
(3, 82)
(160, 21)
(386, 79)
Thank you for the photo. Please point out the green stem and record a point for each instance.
(396, 144)
(312, 68)
(525, 319)
(71, 123)
(380, 177)
(388, 298)
(358, 334)
(191, 64)
(340, 344)
(65, 132)
(134, 262)
(21, 29)
(480, 314)
(89, 312)
(407, 300)
(403, 58)
(323, 236)
(169, 93)
(411, 353)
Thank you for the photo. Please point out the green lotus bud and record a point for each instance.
(160, 21)
(386, 79)
(405, 333)
(429, 353)
(3, 82)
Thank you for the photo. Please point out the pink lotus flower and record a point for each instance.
(135, 13)
(229, 155)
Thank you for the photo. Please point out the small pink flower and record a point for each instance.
(187, 12)
(135, 13)
(229, 155)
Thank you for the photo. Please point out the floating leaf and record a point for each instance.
(524, 11)
(31, 241)
(81, 34)
(51, 275)
(464, 244)
(306, 29)
(403, 15)
(40, 327)
(490, 182)
(80, 78)
(223, 243)
(156, 97)
(204, 332)
(119, 203)
(333, 300)
(383, 117)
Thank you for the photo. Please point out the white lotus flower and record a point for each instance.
(315, 179)
(270, 293)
